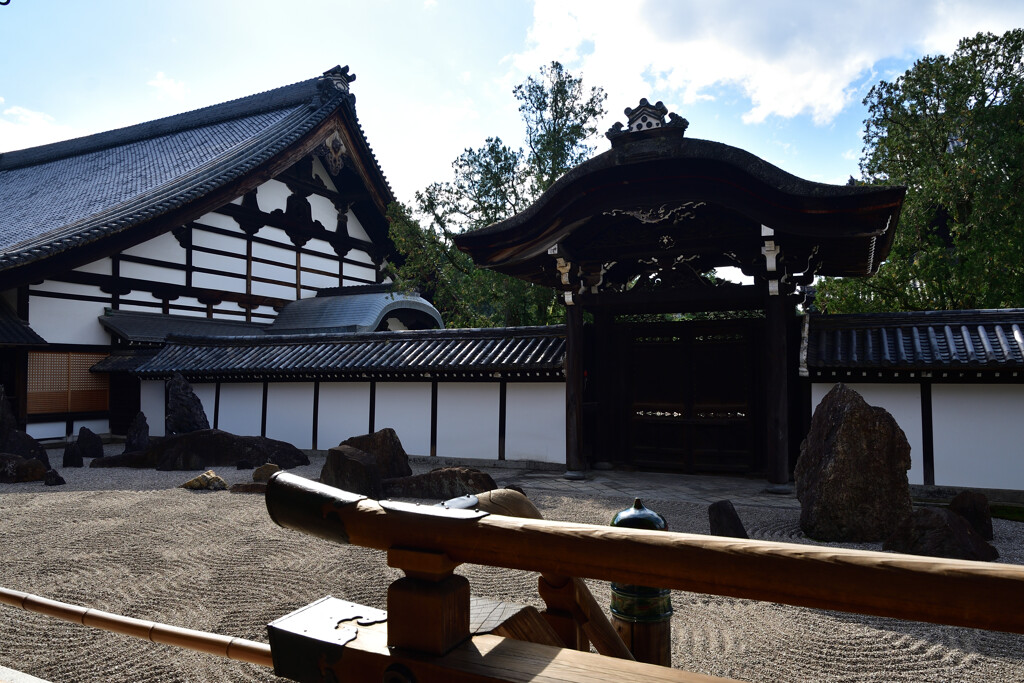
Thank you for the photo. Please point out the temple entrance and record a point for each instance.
(690, 395)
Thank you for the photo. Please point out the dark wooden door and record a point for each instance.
(692, 389)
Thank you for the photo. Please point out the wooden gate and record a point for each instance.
(690, 391)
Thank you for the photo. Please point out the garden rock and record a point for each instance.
(443, 483)
(724, 521)
(137, 438)
(385, 446)
(136, 459)
(207, 481)
(53, 479)
(215, 448)
(72, 455)
(249, 487)
(263, 472)
(851, 478)
(89, 444)
(15, 441)
(353, 470)
(184, 409)
(973, 506)
(15, 469)
(939, 532)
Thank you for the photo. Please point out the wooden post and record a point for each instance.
(574, 464)
(428, 609)
(778, 310)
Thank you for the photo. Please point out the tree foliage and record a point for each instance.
(952, 130)
(491, 183)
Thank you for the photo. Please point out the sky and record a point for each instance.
(783, 79)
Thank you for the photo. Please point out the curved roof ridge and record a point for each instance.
(258, 103)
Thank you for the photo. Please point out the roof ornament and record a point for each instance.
(645, 117)
(334, 81)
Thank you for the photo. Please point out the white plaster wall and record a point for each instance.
(322, 209)
(207, 395)
(535, 421)
(129, 306)
(278, 291)
(95, 426)
(215, 220)
(360, 272)
(224, 283)
(61, 321)
(405, 407)
(201, 259)
(241, 408)
(356, 229)
(979, 435)
(144, 271)
(320, 172)
(46, 430)
(467, 419)
(102, 267)
(290, 413)
(903, 401)
(151, 403)
(271, 195)
(188, 301)
(163, 247)
(345, 412)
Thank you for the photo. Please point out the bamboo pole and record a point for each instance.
(223, 646)
(956, 592)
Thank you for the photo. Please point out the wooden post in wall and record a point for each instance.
(574, 464)
(778, 311)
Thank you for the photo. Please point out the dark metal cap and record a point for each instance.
(640, 517)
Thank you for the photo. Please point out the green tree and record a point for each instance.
(491, 183)
(952, 130)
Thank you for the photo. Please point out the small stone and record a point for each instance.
(263, 472)
(53, 479)
(89, 443)
(137, 438)
(72, 455)
(724, 521)
(208, 481)
(939, 532)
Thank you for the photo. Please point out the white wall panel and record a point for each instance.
(356, 229)
(144, 271)
(129, 306)
(192, 303)
(405, 407)
(318, 281)
(323, 210)
(163, 247)
(215, 220)
(202, 259)
(271, 195)
(344, 412)
(320, 172)
(224, 283)
(290, 413)
(206, 392)
(535, 421)
(46, 430)
(95, 426)
(279, 291)
(276, 235)
(103, 267)
(360, 272)
(903, 401)
(213, 240)
(62, 321)
(151, 403)
(979, 435)
(361, 256)
(241, 408)
(280, 273)
(467, 419)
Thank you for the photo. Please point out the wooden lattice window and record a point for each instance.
(60, 382)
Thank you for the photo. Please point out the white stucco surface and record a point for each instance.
(467, 419)
(99, 426)
(344, 412)
(64, 321)
(150, 273)
(207, 395)
(163, 247)
(290, 413)
(535, 421)
(979, 435)
(271, 195)
(103, 267)
(241, 408)
(46, 430)
(151, 403)
(405, 407)
(903, 401)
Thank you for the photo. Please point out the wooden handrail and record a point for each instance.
(956, 592)
(212, 643)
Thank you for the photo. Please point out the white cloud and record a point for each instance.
(176, 90)
(787, 57)
(429, 4)
(21, 128)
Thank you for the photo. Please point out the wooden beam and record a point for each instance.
(723, 298)
(575, 465)
(778, 311)
(956, 592)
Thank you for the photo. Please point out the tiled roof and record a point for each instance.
(154, 328)
(515, 353)
(349, 313)
(14, 331)
(124, 360)
(987, 340)
(57, 197)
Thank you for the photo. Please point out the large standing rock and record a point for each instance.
(724, 521)
(72, 455)
(443, 483)
(8, 420)
(184, 409)
(136, 459)
(350, 469)
(851, 478)
(973, 506)
(211, 447)
(387, 449)
(15, 469)
(137, 438)
(939, 532)
(15, 441)
(89, 443)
